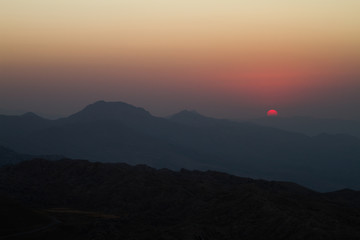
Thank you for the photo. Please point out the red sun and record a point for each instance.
(272, 113)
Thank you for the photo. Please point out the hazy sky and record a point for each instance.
(225, 58)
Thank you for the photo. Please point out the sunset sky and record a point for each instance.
(229, 58)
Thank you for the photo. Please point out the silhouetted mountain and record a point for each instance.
(194, 118)
(312, 126)
(102, 110)
(13, 127)
(8, 156)
(118, 132)
(118, 201)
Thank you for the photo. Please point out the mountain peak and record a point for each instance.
(191, 117)
(30, 115)
(102, 110)
(187, 114)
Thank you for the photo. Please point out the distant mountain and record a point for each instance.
(117, 201)
(102, 110)
(312, 126)
(12, 127)
(194, 118)
(10, 157)
(119, 132)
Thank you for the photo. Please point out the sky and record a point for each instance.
(228, 58)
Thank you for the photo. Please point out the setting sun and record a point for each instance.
(272, 113)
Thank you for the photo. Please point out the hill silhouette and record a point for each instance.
(102, 110)
(194, 118)
(10, 157)
(119, 132)
(119, 201)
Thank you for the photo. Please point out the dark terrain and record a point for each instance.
(118, 201)
(17, 218)
(115, 131)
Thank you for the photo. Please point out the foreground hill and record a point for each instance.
(18, 219)
(118, 201)
(116, 131)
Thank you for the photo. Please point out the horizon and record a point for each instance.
(225, 59)
(246, 118)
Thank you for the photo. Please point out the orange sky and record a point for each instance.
(203, 54)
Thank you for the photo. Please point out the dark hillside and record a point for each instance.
(161, 204)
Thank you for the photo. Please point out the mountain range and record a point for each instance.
(312, 126)
(119, 132)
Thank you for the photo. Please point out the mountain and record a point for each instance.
(102, 110)
(119, 132)
(194, 118)
(8, 156)
(13, 127)
(312, 126)
(118, 201)
(272, 153)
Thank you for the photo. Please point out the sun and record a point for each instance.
(272, 113)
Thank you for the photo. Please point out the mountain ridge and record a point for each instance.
(118, 131)
(161, 204)
(312, 126)
(102, 110)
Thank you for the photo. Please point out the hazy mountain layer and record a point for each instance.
(119, 132)
(312, 126)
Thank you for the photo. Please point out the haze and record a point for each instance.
(233, 59)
